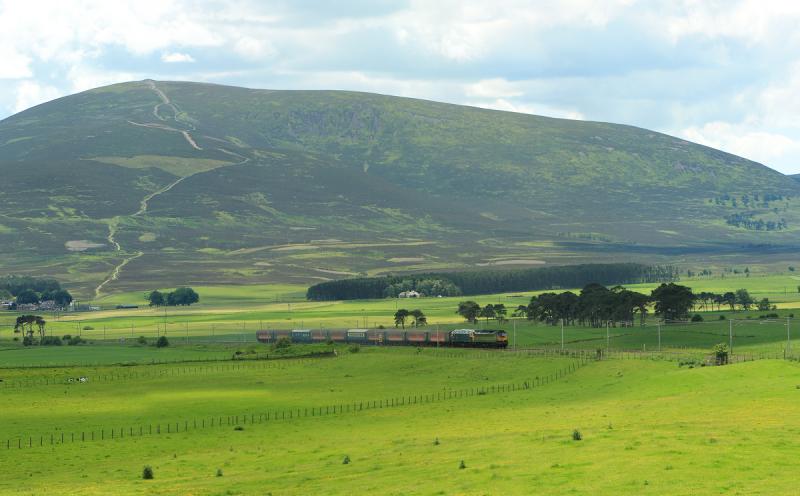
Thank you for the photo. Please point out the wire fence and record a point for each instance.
(239, 421)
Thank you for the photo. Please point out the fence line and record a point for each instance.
(233, 364)
(262, 361)
(195, 424)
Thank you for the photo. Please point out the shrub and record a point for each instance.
(355, 348)
(238, 428)
(436, 442)
(88, 328)
(697, 318)
(219, 472)
(720, 353)
(27, 341)
(346, 460)
(66, 337)
(51, 341)
(141, 340)
(721, 317)
(283, 343)
(576, 435)
(462, 465)
(75, 340)
(147, 472)
(162, 342)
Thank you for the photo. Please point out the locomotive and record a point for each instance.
(462, 338)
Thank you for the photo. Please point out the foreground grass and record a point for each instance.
(648, 427)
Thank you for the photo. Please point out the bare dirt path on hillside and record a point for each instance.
(145, 202)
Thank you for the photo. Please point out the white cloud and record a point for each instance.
(30, 93)
(176, 57)
(13, 65)
(739, 139)
(253, 49)
(493, 88)
(529, 108)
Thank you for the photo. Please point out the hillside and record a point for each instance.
(150, 183)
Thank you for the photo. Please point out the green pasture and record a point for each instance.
(648, 427)
(203, 390)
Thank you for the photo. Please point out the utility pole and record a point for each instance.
(562, 334)
(659, 335)
(788, 336)
(730, 336)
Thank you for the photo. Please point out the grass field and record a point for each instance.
(648, 426)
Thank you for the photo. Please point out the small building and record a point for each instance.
(409, 294)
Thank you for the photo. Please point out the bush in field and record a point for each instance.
(28, 341)
(50, 341)
(162, 342)
(576, 435)
(141, 340)
(74, 340)
(697, 318)
(721, 317)
(355, 348)
(720, 353)
(88, 328)
(283, 343)
(346, 460)
(462, 465)
(219, 472)
(147, 472)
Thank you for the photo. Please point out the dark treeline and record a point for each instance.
(498, 281)
(597, 305)
(179, 297)
(31, 290)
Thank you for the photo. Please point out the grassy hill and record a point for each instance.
(149, 183)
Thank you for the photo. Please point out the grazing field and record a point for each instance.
(647, 426)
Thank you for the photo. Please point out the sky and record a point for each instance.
(721, 73)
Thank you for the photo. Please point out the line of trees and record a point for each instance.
(494, 281)
(471, 311)
(596, 305)
(739, 299)
(179, 297)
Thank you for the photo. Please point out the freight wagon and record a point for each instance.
(464, 338)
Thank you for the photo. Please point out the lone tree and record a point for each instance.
(469, 310)
(673, 301)
(400, 317)
(744, 299)
(156, 298)
(419, 318)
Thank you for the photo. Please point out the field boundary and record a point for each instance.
(62, 438)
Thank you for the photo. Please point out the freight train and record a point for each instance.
(463, 338)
